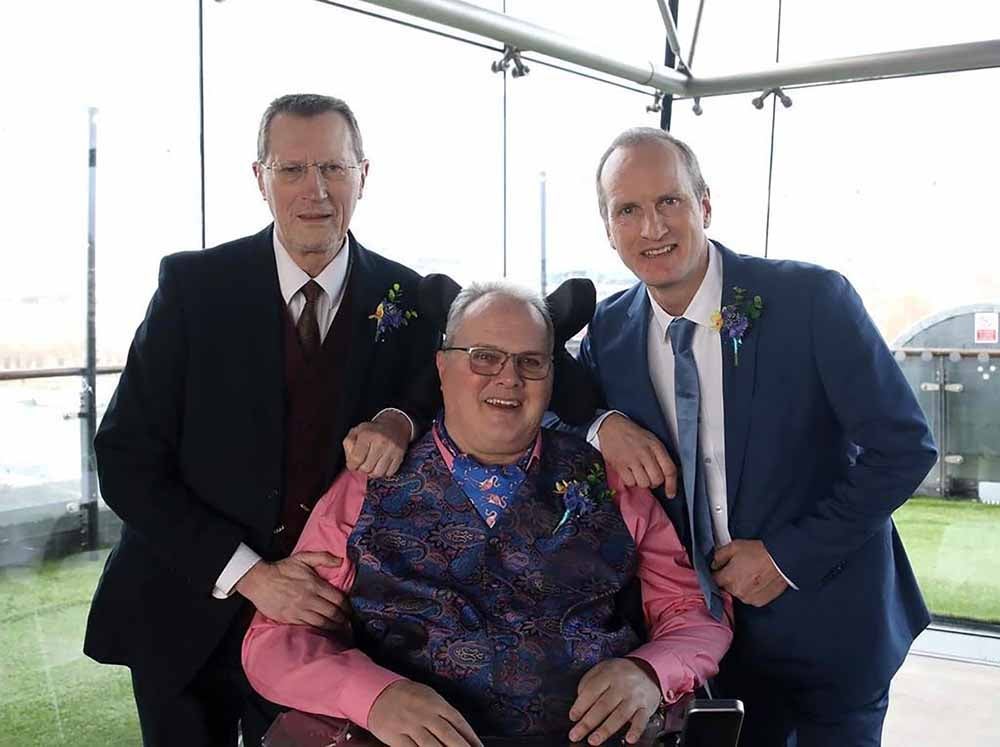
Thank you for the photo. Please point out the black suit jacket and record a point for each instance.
(190, 452)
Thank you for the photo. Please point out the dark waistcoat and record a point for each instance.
(312, 394)
(501, 622)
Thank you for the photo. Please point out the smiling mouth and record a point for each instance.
(659, 251)
(313, 217)
(503, 404)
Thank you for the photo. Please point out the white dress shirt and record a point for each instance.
(708, 358)
(291, 279)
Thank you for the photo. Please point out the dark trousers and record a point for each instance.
(211, 709)
(779, 715)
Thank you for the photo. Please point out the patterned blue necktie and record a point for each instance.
(490, 488)
(687, 396)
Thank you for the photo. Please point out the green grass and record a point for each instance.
(50, 693)
(955, 550)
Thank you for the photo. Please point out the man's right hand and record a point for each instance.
(636, 454)
(290, 591)
(407, 713)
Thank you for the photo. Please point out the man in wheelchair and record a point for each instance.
(489, 575)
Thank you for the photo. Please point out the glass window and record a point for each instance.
(815, 31)
(558, 126)
(430, 112)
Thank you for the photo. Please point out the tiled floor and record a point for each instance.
(943, 703)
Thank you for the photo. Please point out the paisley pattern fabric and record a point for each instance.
(502, 623)
(490, 487)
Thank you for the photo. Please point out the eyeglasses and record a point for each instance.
(292, 173)
(490, 362)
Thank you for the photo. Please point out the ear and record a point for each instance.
(258, 172)
(364, 178)
(439, 362)
(706, 207)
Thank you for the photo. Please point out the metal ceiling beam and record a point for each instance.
(526, 36)
(945, 59)
(529, 37)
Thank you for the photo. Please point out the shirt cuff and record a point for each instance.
(242, 561)
(592, 437)
(413, 428)
(673, 679)
(781, 573)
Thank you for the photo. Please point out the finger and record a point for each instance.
(723, 555)
(385, 462)
(667, 468)
(358, 453)
(316, 558)
(349, 442)
(627, 477)
(447, 734)
(458, 722)
(615, 721)
(395, 465)
(587, 694)
(425, 738)
(376, 450)
(652, 467)
(595, 715)
(637, 725)
(641, 478)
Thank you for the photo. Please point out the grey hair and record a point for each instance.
(475, 291)
(641, 136)
(307, 105)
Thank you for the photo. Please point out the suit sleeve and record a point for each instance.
(889, 449)
(137, 448)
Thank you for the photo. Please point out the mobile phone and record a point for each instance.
(712, 723)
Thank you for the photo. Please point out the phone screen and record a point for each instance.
(712, 728)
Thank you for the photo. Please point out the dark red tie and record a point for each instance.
(308, 324)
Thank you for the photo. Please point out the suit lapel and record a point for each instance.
(737, 380)
(264, 325)
(367, 289)
(635, 340)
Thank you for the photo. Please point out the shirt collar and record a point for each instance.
(291, 277)
(449, 459)
(707, 298)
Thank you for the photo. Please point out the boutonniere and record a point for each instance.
(389, 314)
(582, 496)
(734, 319)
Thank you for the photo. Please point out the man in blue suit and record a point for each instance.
(796, 437)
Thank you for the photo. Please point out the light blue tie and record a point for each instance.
(687, 396)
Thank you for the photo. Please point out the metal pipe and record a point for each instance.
(529, 37)
(23, 374)
(949, 58)
(671, 28)
(526, 36)
(88, 400)
(543, 221)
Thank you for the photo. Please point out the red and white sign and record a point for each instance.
(987, 328)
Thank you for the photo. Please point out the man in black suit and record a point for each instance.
(232, 416)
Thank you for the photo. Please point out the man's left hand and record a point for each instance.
(744, 568)
(378, 446)
(614, 693)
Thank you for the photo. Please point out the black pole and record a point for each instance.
(667, 110)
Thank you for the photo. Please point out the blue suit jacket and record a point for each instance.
(824, 440)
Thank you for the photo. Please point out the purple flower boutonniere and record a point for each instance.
(389, 314)
(582, 496)
(734, 319)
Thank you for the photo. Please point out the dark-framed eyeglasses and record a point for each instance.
(292, 172)
(487, 361)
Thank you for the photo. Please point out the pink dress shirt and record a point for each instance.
(312, 670)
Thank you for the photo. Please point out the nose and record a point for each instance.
(508, 373)
(314, 183)
(654, 225)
